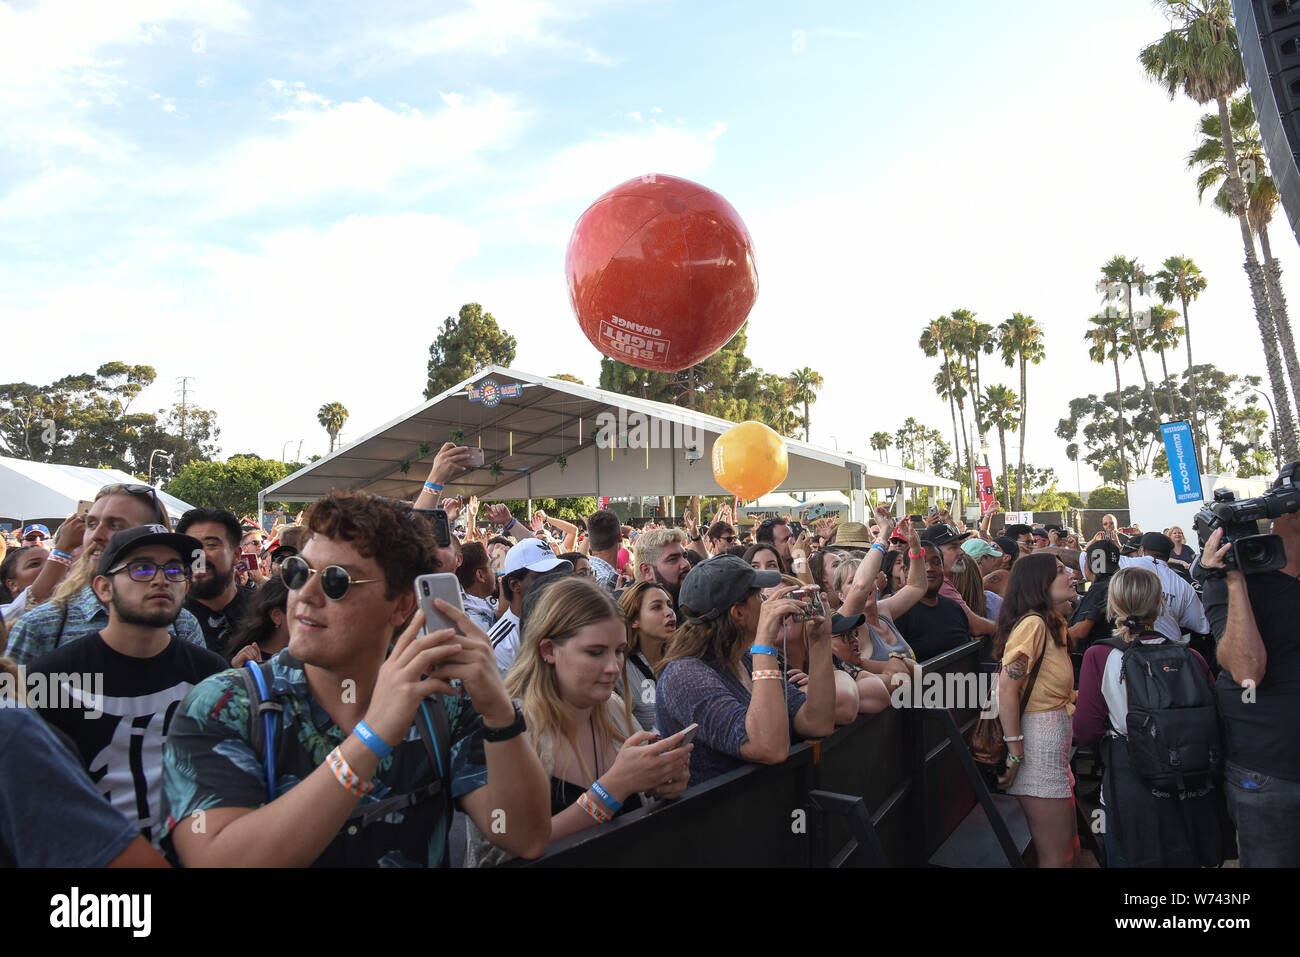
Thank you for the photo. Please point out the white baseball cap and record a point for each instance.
(533, 555)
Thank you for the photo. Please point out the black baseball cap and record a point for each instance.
(842, 623)
(129, 539)
(1009, 546)
(943, 534)
(1157, 542)
(714, 585)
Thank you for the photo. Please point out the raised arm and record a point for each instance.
(898, 603)
(1241, 647)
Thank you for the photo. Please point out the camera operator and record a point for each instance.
(1252, 617)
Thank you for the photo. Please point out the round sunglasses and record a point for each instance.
(334, 579)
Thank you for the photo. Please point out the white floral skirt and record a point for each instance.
(1046, 772)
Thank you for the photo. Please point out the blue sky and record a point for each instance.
(288, 199)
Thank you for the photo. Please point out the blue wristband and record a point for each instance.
(606, 798)
(763, 650)
(433, 486)
(879, 546)
(60, 554)
(372, 741)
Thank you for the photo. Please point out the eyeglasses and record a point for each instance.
(34, 537)
(334, 579)
(729, 539)
(143, 570)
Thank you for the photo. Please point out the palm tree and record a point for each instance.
(1261, 202)
(1164, 334)
(880, 442)
(1003, 411)
(1201, 57)
(331, 416)
(1107, 344)
(806, 382)
(1021, 339)
(958, 395)
(1181, 279)
(937, 338)
(1129, 273)
(971, 337)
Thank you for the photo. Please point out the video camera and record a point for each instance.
(1251, 553)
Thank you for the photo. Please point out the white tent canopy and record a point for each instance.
(41, 492)
(657, 449)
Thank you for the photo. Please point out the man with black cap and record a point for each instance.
(717, 670)
(1182, 610)
(936, 623)
(215, 598)
(1091, 621)
(949, 542)
(139, 672)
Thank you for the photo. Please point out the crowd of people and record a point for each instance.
(205, 693)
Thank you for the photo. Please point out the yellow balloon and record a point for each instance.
(749, 460)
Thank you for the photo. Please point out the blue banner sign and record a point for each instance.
(1181, 452)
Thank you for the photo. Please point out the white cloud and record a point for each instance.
(495, 28)
(453, 100)
(360, 146)
(55, 190)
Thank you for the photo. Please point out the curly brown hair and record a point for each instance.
(380, 528)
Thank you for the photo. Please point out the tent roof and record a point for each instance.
(553, 417)
(40, 490)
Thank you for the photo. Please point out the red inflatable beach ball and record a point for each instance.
(661, 273)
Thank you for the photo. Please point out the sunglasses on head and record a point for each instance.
(334, 579)
(144, 570)
(133, 489)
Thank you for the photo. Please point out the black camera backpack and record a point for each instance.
(1173, 735)
(1174, 742)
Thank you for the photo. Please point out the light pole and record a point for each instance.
(837, 443)
(283, 447)
(1277, 455)
(160, 454)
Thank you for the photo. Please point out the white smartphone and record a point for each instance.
(689, 735)
(441, 585)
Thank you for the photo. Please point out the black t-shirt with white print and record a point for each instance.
(122, 747)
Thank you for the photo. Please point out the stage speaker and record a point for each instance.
(1268, 32)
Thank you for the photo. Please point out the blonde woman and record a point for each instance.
(1142, 829)
(570, 658)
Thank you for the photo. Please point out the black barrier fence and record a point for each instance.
(888, 789)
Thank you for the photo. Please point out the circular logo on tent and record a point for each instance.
(491, 393)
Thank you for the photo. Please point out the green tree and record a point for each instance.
(565, 377)
(937, 339)
(806, 384)
(1262, 201)
(1200, 56)
(1164, 334)
(1181, 279)
(1107, 497)
(880, 442)
(970, 338)
(1003, 411)
(1106, 345)
(1020, 340)
(332, 417)
(232, 485)
(1125, 274)
(465, 345)
(726, 385)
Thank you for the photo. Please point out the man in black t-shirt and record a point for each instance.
(214, 597)
(113, 693)
(935, 624)
(1253, 618)
(1091, 621)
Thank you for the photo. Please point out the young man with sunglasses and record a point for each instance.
(114, 692)
(65, 619)
(358, 776)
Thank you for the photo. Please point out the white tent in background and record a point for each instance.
(46, 493)
(538, 442)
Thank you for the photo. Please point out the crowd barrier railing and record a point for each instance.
(886, 790)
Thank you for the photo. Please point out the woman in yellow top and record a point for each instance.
(1032, 635)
